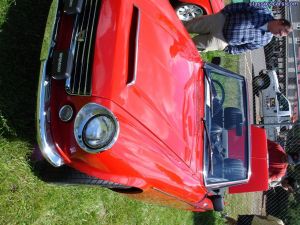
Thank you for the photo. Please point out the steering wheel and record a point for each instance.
(218, 96)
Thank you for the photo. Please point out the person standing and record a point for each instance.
(278, 162)
(239, 27)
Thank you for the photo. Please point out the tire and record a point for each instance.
(231, 116)
(234, 169)
(218, 202)
(187, 12)
(65, 175)
(261, 82)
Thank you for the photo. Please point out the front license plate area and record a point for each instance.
(62, 64)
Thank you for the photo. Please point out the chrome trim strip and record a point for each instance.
(73, 39)
(226, 184)
(44, 137)
(87, 34)
(249, 131)
(136, 48)
(90, 45)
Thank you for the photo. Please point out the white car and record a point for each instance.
(275, 108)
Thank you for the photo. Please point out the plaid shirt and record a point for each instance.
(242, 27)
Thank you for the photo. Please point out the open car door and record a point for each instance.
(259, 164)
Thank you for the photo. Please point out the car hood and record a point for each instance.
(146, 63)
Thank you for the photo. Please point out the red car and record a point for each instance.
(126, 102)
(189, 9)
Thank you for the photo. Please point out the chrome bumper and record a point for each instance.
(44, 136)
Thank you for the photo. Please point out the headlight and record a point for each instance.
(96, 128)
(99, 131)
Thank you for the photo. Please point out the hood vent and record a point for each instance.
(133, 46)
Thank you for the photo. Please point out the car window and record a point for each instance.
(283, 102)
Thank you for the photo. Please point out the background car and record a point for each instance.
(275, 108)
(189, 9)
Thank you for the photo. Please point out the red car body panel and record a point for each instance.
(210, 6)
(163, 108)
(176, 153)
(259, 161)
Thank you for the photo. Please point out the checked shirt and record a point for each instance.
(242, 29)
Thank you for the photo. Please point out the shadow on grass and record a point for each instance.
(207, 218)
(21, 38)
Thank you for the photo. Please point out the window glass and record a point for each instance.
(283, 102)
(227, 148)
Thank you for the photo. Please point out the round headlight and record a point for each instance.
(99, 131)
(96, 129)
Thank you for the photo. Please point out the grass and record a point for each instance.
(246, 203)
(228, 61)
(24, 199)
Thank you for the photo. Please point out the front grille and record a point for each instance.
(82, 47)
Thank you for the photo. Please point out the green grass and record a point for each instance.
(26, 200)
(245, 203)
(228, 61)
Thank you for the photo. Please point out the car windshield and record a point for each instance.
(226, 124)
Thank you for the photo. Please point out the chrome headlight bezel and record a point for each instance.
(84, 116)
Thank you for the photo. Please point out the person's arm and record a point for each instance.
(244, 7)
(259, 42)
(238, 49)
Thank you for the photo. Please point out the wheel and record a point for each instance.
(187, 12)
(68, 175)
(261, 82)
(232, 116)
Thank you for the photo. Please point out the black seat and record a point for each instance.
(234, 169)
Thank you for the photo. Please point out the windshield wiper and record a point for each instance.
(210, 151)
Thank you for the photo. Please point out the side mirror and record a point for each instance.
(216, 61)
